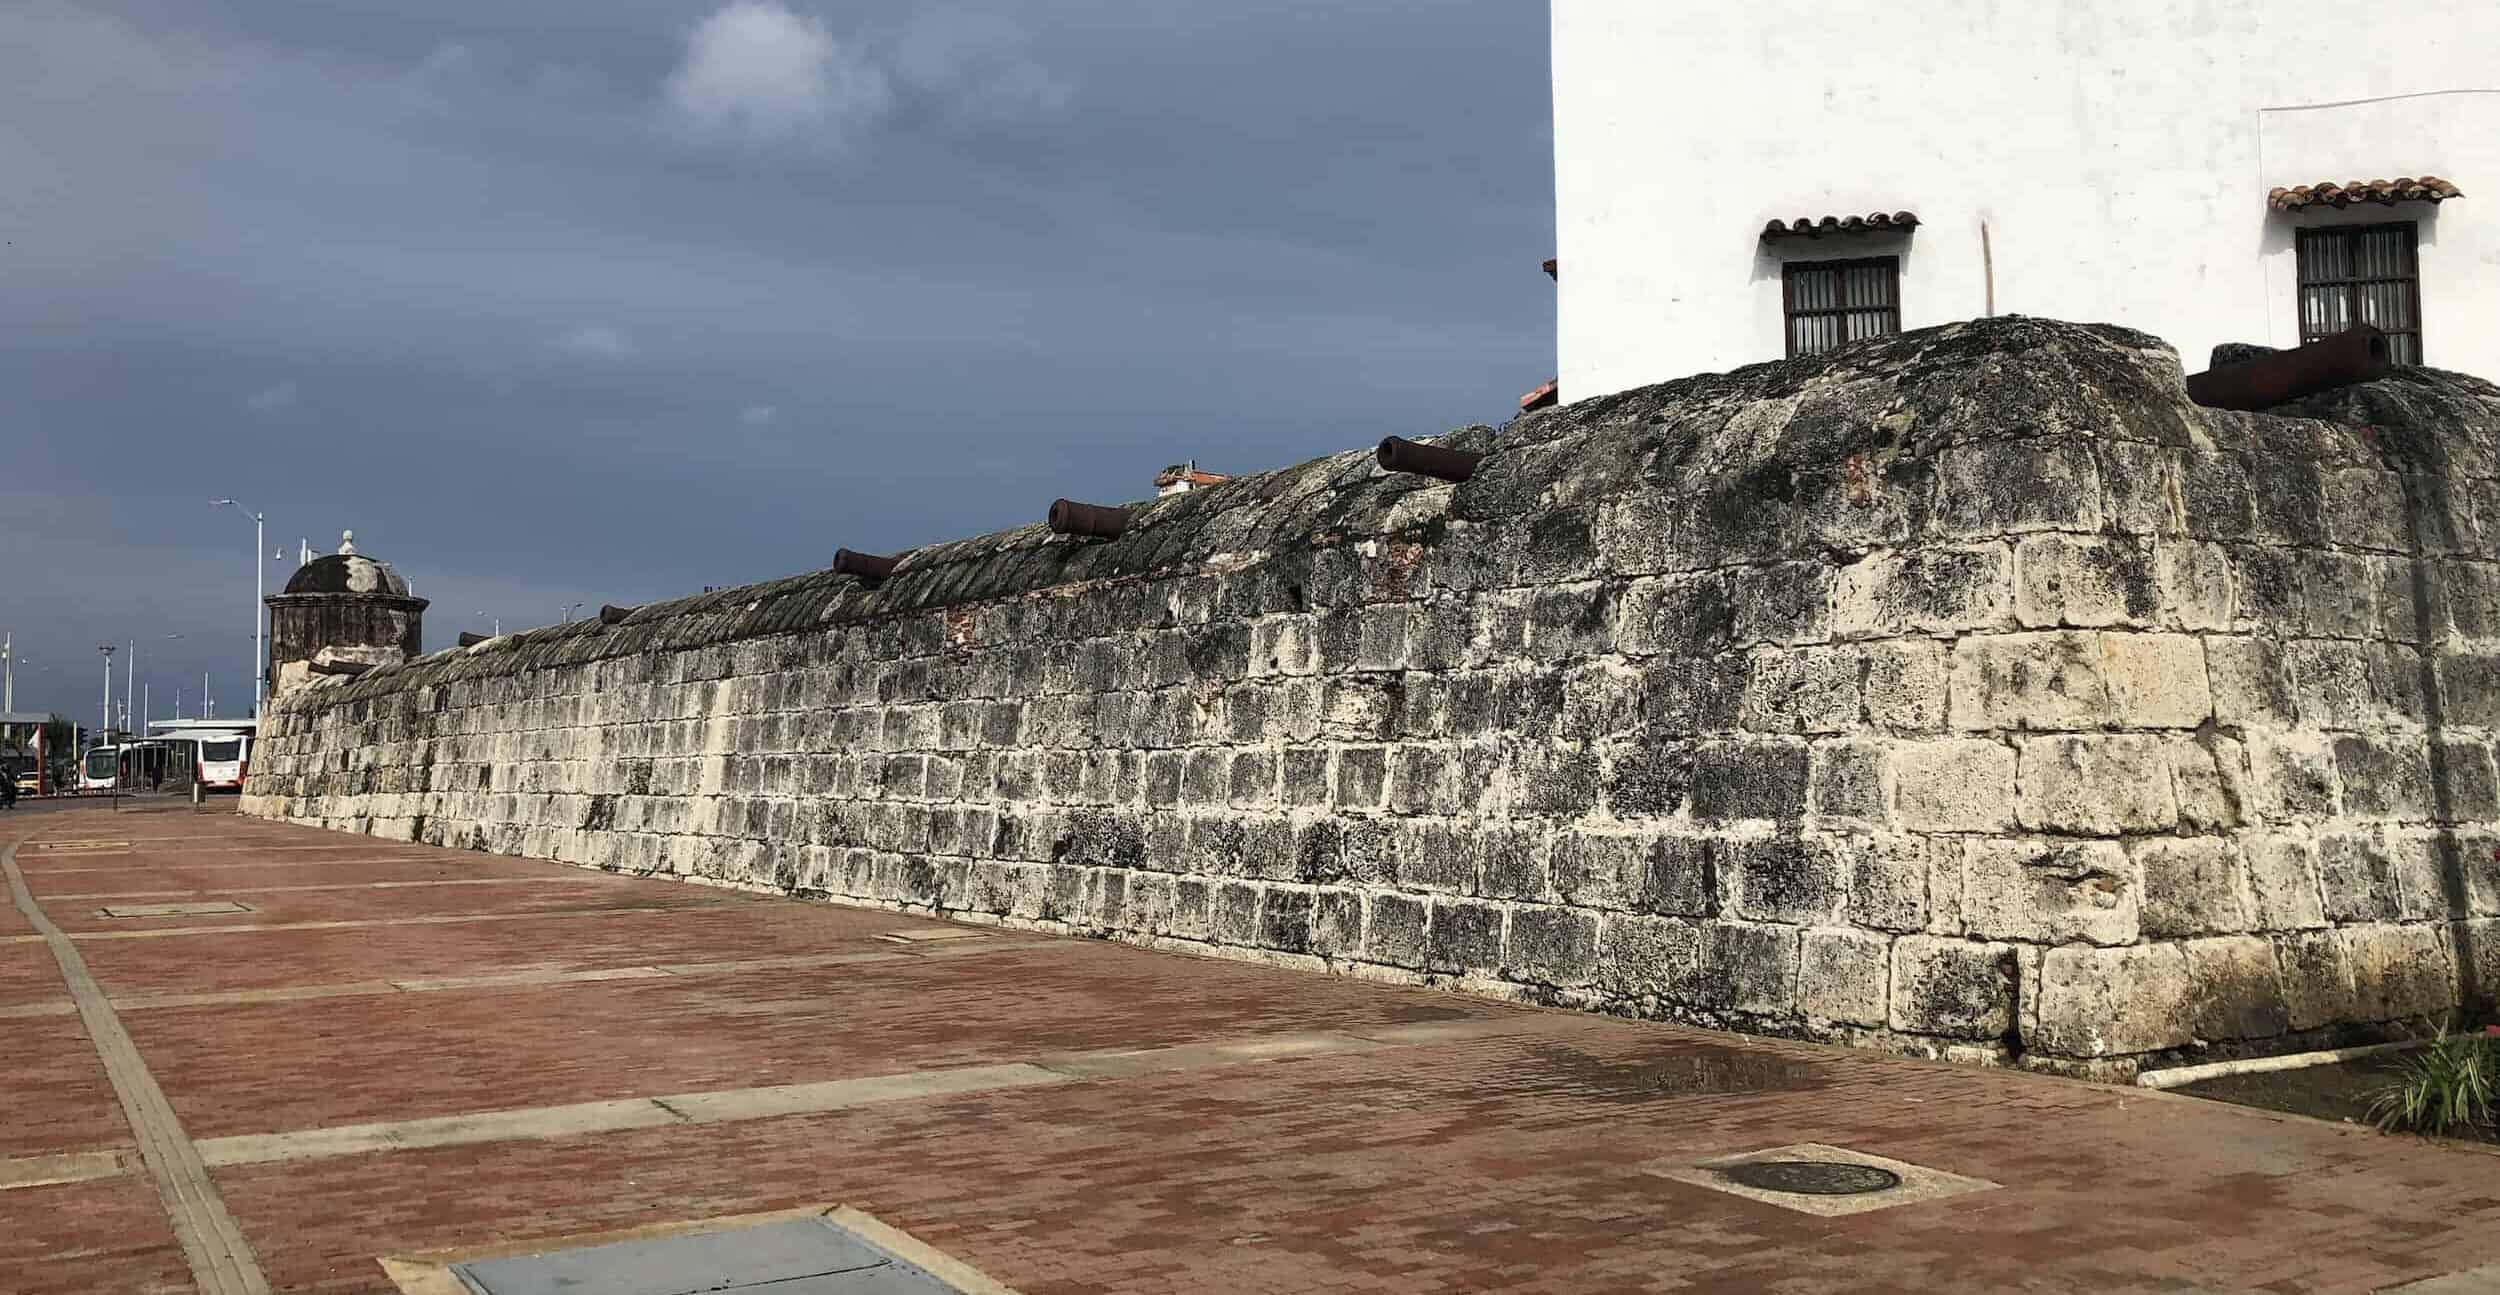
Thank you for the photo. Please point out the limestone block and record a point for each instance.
(2048, 892)
(1904, 685)
(2156, 680)
(2283, 883)
(1551, 946)
(1337, 923)
(1393, 930)
(1807, 690)
(1887, 878)
(2136, 484)
(1958, 989)
(2399, 972)
(2192, 586)
(2291, 777)
(2357, 878)
(1954, 785)
(2366, 509)
(2109, 1002)
(2005, 487)
(2096, 786)
(1844, 976)
(2317, 978)
(2469, 688)
(1648, 957)
(2340, 595)
(2210, 775)
(1848, 785)
(1748, 969)
(2385, 776)
(1887, 594)
(2028, 681)
(1782, 879)
(1783, 602)
(1649, 779)
(1749, 779)
(2086, 581)
(1465, 937)
(2193, 885)
(2238, 988)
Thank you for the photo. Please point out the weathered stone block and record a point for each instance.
(2283, 883)
(2005, 487)
(2357, 877)
(2029, 681)
(2192, 587)
(1648, 957)
(2210, 775)
(2193, 885)
(1393, 930)
(2096, 786)
(1904, 685)
(1748, 969)
(2291, 777)
(1806, 690)
(2156, 680)
(1959, 989)
(1648, 780)
(2384, 777)
(1887, 878)
(1844, 976)
(2048, 892)
(1465, 938)
(1847, 785)
(2087, 581)
(2399, 972)
(1954, 785)
(1924, 591)
(2105, 1002)
(1783, 879)
(1551, 946)
(1749, 779)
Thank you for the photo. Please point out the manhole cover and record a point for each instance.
(1811, 1177)
(813, 1256)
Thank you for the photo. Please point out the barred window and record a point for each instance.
(1830, 302)
(2362, 274)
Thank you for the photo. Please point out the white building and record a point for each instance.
(2085, 159)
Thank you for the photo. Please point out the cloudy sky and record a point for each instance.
(561, 301)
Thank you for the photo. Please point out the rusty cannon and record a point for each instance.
(1398, 454)
(869, 567)
(1096, 521)
(2354, 355)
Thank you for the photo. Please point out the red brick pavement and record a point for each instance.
(1515, 1161)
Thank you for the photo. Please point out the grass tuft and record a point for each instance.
(2450, 1088)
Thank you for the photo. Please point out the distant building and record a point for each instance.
(1737, 182)
(1181, 478)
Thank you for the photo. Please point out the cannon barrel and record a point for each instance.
(348, 668)
(1068, 517)
(867, 566)
(611, 614)
(1398, 454)
(2355, 355)
(468, 639)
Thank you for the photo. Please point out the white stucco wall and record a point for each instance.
(2118, 155)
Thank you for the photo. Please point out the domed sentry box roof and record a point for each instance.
(347, 573)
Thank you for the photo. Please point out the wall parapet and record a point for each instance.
(1967, 691)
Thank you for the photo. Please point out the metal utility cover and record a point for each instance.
(810, 1256)
(172, 910)
(927, 934)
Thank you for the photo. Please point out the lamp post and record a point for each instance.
(258, 540)
(569, 609)
(498, 621)
(8, 672)
(105, 733)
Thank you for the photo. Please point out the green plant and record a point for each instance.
(2450, 1087)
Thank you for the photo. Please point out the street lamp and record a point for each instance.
(258, 543)
(105, 733)
(569, 609)
(499, 621)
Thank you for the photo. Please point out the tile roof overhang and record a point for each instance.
(1881, 222)
(2429, 188)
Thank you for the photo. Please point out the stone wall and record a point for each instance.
(1967, 691)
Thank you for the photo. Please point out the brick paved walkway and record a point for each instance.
(371, 1063)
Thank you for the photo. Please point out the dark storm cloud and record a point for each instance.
(583, 300)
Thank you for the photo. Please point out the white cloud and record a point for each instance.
(272, 398)
(976, 65)
(596, 340)
(757, 415)
(756, 71)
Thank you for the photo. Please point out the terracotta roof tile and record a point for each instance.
(1541, 397)
(1875, 223)
(2429, 188)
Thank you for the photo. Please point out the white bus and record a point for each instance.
(220, 759)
